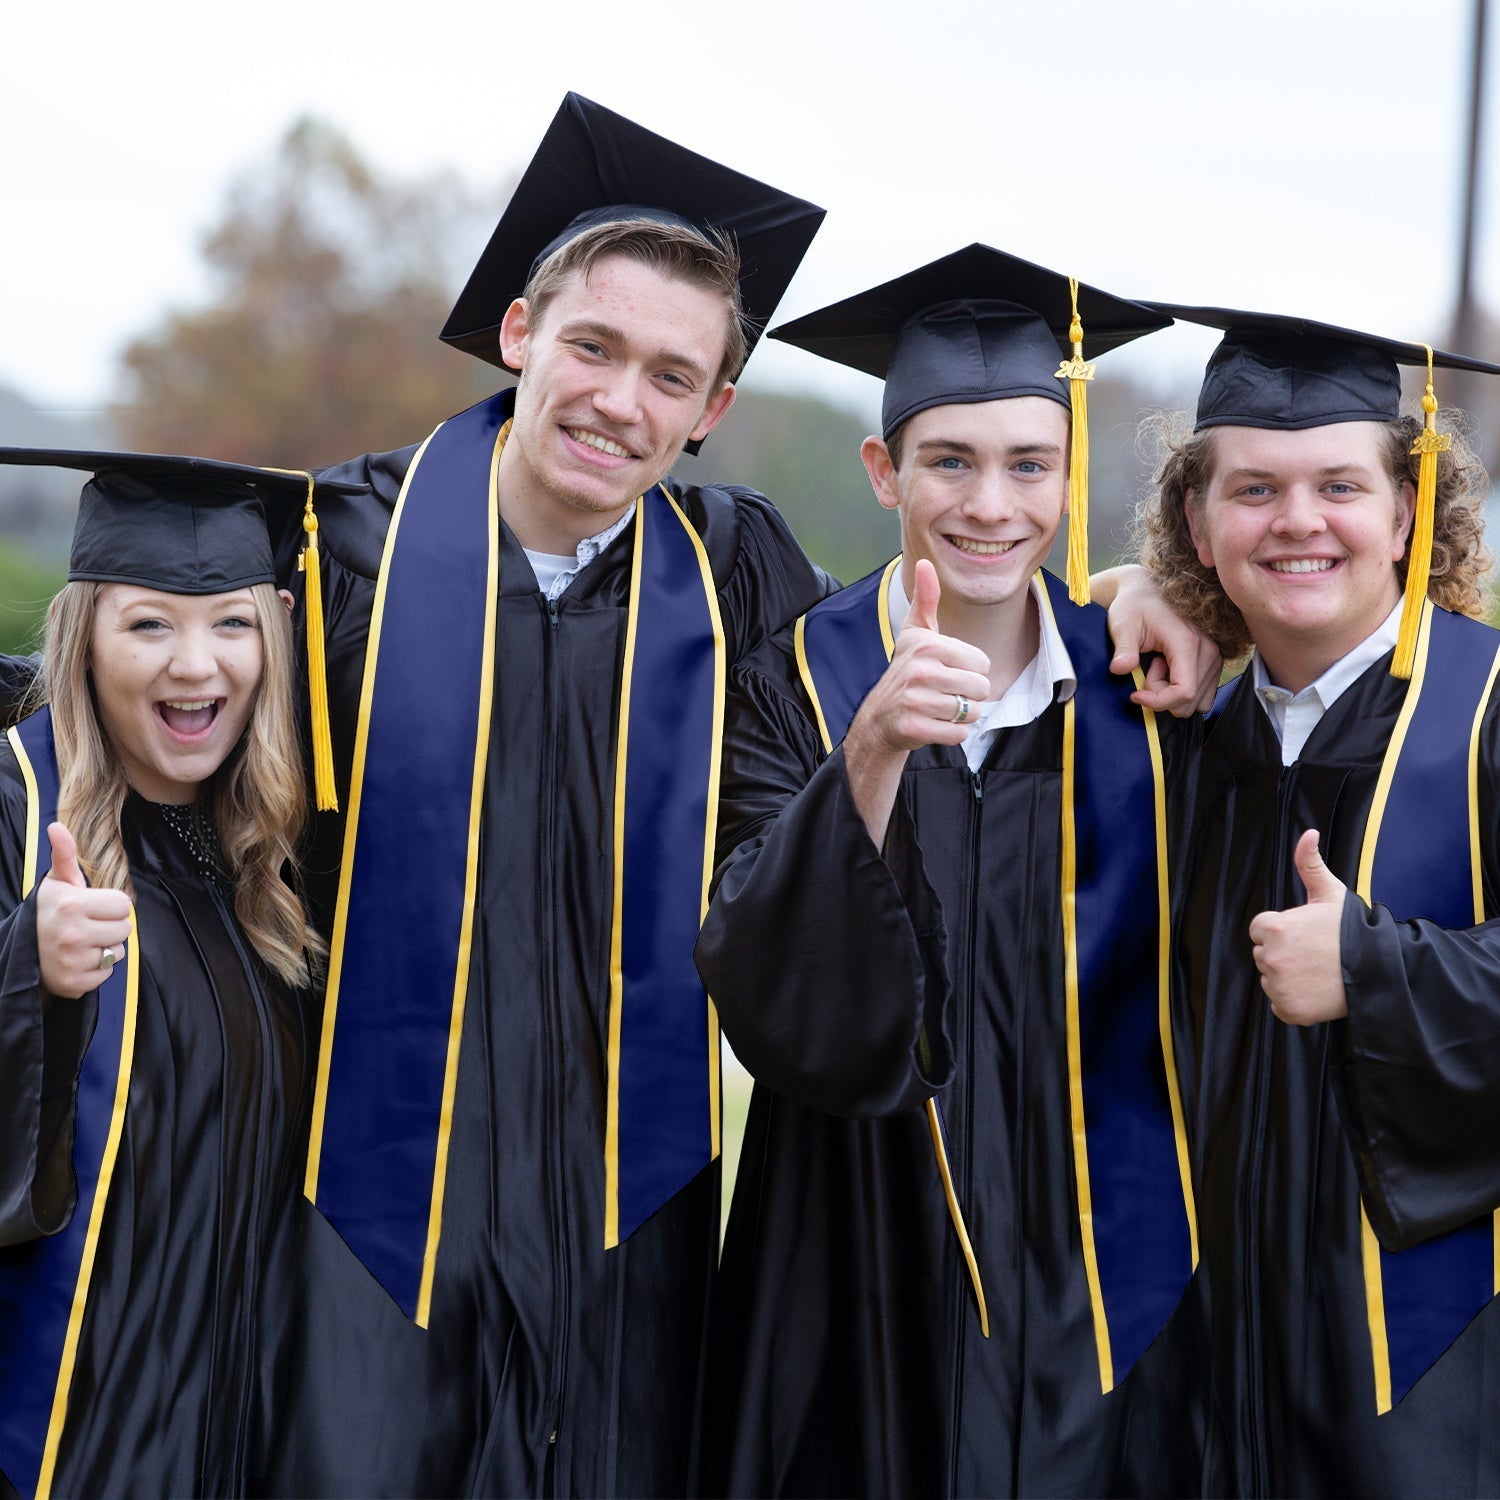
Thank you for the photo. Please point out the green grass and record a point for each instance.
(26, 588)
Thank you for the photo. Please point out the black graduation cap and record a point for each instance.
(977, 325)
(196, 526)
(981, 325)
(1293, 373)
(1289, 373)
(182, 525)
(593, 167)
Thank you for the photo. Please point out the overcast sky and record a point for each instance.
(1301, 156)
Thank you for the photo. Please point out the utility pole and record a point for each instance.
(1465, 388)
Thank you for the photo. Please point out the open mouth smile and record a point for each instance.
(188, 720)
(1303, 564)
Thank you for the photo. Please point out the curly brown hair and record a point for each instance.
(1184, 462)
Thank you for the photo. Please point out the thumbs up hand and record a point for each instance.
(1298, 952)
(80, 932)
(929, 693)
(927, 696)
(927, 594)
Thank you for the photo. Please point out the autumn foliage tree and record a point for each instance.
(332, 282)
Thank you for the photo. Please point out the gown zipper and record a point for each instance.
(249, 1327)
(964, 1179)
(552, 1075)
(1286, 780)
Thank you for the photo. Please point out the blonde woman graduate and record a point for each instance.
(155, 967)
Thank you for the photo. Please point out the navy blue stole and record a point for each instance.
(404, 928)
(1135, 1200)
(44, 1283)
(1421, 857)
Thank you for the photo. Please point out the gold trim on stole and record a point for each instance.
(1164, 973)
(69, 1358)
(1380, 1354)
(1476, 866)
(346, 868)
(934, 1121)
(33, 812)
(710, 833)
(1069, 901)
(711, 821)
(1369, 1245)
(471, 885)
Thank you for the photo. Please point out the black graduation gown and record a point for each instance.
(848, 1357)
(549, 1365)
(1400, 1103)
(185, 1292)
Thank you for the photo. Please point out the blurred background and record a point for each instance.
(236, 232)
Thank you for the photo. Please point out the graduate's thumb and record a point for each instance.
(1322, 884)
(64, 856)
(926, 591)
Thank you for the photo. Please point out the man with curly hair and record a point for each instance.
(1344, 1015)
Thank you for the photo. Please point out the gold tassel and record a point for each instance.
(324, 791)
(1430, 442)
(1076, 372)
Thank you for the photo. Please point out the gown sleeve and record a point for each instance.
(824, 955)
(771, 581)
(1421, 1066)
(41, 1049)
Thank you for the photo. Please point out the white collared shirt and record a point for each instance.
(555, 571)
(1046, 679)
(1294, 716)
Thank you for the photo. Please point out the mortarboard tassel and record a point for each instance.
(1076, 372)
(324, 791)
(1430, 442)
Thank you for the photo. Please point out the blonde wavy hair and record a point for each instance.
(260, 798)
(1184, 463)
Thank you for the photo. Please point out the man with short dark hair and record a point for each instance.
(515, 1132)
(1339, 970)
(938, 941)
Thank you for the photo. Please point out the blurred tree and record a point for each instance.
(804, 454)
(333, 282)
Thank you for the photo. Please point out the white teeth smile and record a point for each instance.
(1303, 565)
(192, 706)
(981, 549)
(593, 440)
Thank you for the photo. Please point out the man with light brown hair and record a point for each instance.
(1344, 1013)
(515, 1134)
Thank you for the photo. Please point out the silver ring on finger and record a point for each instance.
(961, 709)
(108, 958)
